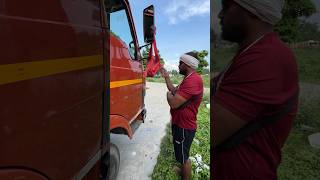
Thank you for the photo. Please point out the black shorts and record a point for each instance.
(182, 140)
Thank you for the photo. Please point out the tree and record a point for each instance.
(174, 72)
(288, 27)
(308, 31)
(206, 71)
(202, 61)
(145, 55)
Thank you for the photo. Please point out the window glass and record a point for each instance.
(119, 26)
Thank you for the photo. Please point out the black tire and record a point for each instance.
(114, 162)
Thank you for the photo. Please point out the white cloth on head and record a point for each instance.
(190, 61)
(266, 10)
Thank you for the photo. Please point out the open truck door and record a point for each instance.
(127, 84)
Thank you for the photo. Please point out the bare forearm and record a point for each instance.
(170, 97)
(225, 123)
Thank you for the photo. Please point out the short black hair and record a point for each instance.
(193, 54)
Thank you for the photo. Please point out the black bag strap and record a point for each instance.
(255, 125)
(185, 104)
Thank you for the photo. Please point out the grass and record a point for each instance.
(309, 65)
(177, 79)
(200, 146)
(300, 160)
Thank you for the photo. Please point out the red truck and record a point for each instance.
(70, 73)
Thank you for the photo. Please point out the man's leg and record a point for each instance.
(182, 140)
(186, 170)
(188, 136)
(177, 136)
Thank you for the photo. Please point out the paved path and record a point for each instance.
(138, 156)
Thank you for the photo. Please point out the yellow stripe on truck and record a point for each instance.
(115, 84)
(10, 73)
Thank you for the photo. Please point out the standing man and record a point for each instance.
(184, 101)
(259, 86)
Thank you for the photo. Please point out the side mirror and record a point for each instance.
(148, 24)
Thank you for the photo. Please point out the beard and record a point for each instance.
(233, 34)
(182, 72)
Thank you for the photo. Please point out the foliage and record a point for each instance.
(202, 61)
(309, 66)
(288, 27)
(300, 160)
(206, 71)
(145, 55)
(308, 31)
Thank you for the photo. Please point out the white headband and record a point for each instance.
(189, 60)
(266, 10)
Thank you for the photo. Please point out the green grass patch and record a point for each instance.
(300, 160)
(200, 146)
(177, 79)
(309, 65)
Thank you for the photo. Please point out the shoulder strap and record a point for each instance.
(253, 126)
(185, 104)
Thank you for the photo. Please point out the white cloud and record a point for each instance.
(182, 10)
(169, 67)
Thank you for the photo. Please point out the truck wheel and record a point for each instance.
(114, 161)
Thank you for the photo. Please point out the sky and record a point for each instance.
(182, 26)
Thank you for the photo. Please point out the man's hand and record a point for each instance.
(164, 73)
(166, 77)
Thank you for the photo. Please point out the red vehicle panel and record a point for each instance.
(53, 68)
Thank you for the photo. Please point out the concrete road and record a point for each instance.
(138, 156)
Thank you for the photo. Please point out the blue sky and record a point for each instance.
(182, 26)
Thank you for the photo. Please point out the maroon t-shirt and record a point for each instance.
(191, 88)
(258, 82)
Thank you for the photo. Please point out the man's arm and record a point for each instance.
(176, 100)
(225, 123)
(166, 77)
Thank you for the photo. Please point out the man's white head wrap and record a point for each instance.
(190, 61)
(266, 10)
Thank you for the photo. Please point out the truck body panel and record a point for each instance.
(53, 63)
(51, 84)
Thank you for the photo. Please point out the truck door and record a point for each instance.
(126, 69)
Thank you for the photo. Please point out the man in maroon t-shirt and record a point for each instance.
(258, 82)
(184, 101)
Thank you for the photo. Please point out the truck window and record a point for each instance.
(119, 26)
